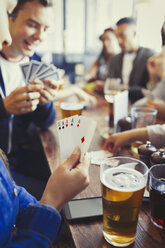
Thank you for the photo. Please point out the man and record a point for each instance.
(130, 64)
(25, 107)
(22, 209)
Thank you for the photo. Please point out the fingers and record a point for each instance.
(51, 84)
(74, 158)
(109, 145)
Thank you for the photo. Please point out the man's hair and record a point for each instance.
(21, 3)
(163, 33)
(127, 20)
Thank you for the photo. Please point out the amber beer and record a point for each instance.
(122, 192)
(68, 109)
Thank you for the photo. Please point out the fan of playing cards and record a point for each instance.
(35, 69)
(75, 131)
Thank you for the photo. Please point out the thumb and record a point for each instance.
(74, 158)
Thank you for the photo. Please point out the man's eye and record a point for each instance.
(32, 25)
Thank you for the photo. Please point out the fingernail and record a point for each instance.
(76, 150)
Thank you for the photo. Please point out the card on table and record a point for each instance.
(75, 131)
(99, 156)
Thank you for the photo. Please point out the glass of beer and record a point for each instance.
(123, 181)
(69, 108)
(111, 88)
(141, 117)
(157, 194)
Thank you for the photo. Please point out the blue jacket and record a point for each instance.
(14, 129)
(37, 225)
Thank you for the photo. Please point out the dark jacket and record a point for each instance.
(139, 74)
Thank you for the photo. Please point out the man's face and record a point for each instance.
(125, 34)
(28, 28)
(5, 38)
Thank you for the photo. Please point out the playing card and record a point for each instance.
(32, 69)
(65, 128)
(79, 133)
(42, 68)
(53, 75)
(24, 69)
(98, 156)
(86, 128)
(48, 70)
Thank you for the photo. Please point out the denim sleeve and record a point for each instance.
(37, 226)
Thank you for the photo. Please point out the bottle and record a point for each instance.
(145, 151)
(158, 157)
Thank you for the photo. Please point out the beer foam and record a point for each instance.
(71, 106)
(123, 179)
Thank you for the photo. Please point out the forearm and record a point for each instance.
(140, 134)
(37, 226)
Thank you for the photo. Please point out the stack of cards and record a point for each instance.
(35, 69)
(75, 131)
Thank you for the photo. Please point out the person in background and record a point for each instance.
(155, 94)
(99, 70)
(130, 64)
(21, 214)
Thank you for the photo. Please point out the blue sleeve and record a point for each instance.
(37, 226)
(44, 116)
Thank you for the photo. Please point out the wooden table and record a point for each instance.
(89, 234)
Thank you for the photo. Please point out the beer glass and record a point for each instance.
(123, 181)
(111, 88)
(157, 194)
(141, 117)
(68, 109)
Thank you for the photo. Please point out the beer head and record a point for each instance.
(68, 109)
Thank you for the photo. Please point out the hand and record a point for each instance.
(82, 95)
(114, 142)
(99, 86)
(66, 181)
(118, 140)
(48, 91)
(23, 99)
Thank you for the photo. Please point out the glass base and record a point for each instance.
(109, 238)
(157, 225)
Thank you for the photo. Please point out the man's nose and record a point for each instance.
(39, 35)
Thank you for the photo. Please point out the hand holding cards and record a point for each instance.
(35, 69)
(75, 131)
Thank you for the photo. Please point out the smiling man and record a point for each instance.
(23, 108)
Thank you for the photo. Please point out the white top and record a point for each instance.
(12, 74)
(127, 66)
(156, 135)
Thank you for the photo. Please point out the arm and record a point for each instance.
(117, 140)
(156, 135)
(74, 90)
(92, 72)
(38, 224)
